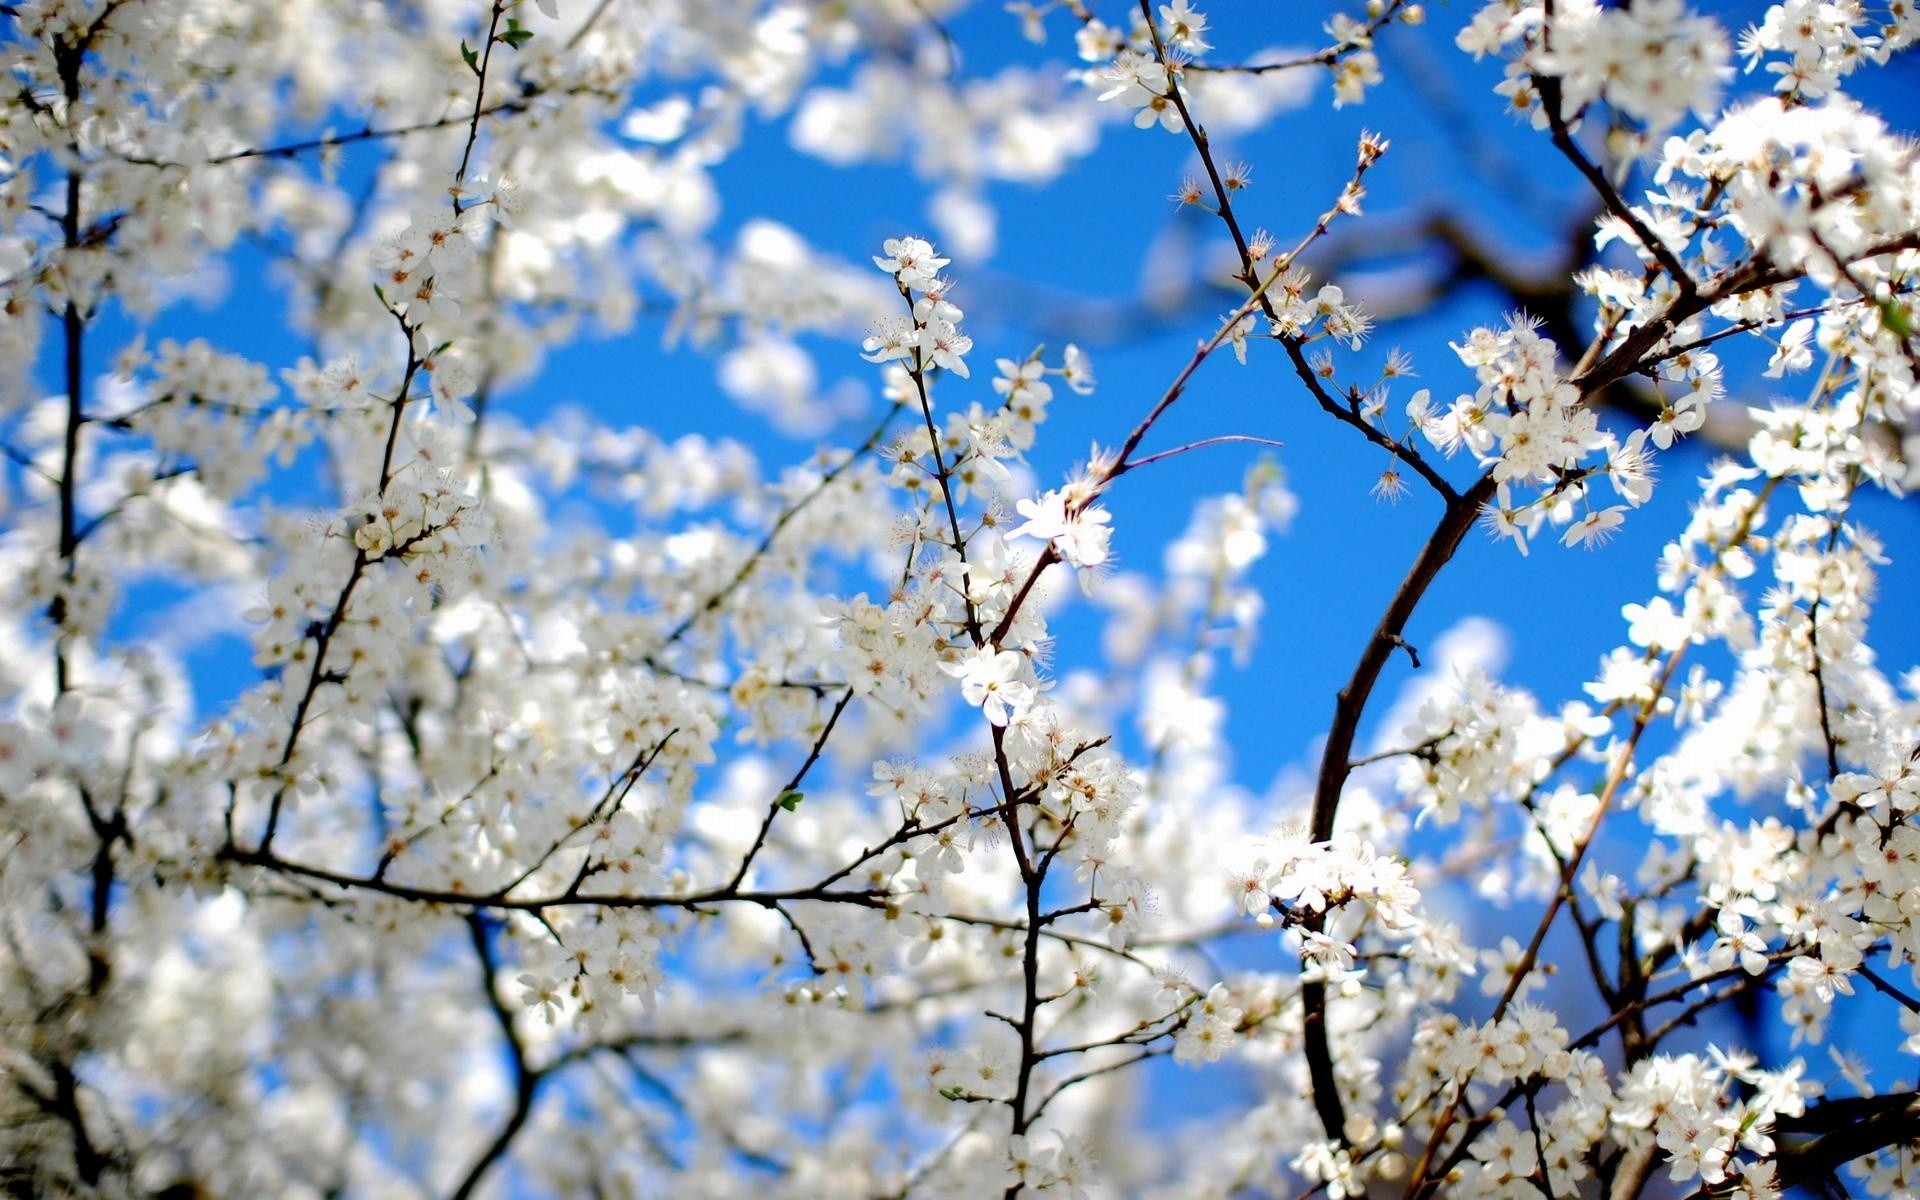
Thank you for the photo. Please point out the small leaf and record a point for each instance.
(790, 799)
(1896, 318)
(473, 60)
(517, 37)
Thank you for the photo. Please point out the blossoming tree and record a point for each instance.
(758, 845)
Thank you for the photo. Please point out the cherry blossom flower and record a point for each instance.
(991, 680)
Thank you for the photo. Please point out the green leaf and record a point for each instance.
(473, 59)
(516, 36)
(1896, 318)
(790, 799)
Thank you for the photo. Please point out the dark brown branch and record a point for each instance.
(1637, 351)
(781, 799)
(479, 101)
(1848, 1128)
(1423, 1183)
(1336, 764)
(526, 1080)
(1819, 669)
(1029, 1005)
(712, 603)
(501, 899)
(1223, 206)
(1055, 1091)
(1550, 99)
(368, 134)
(1323, 58)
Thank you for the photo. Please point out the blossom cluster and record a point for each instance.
(585, 810)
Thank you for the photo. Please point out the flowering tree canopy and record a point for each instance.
(606, 813)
